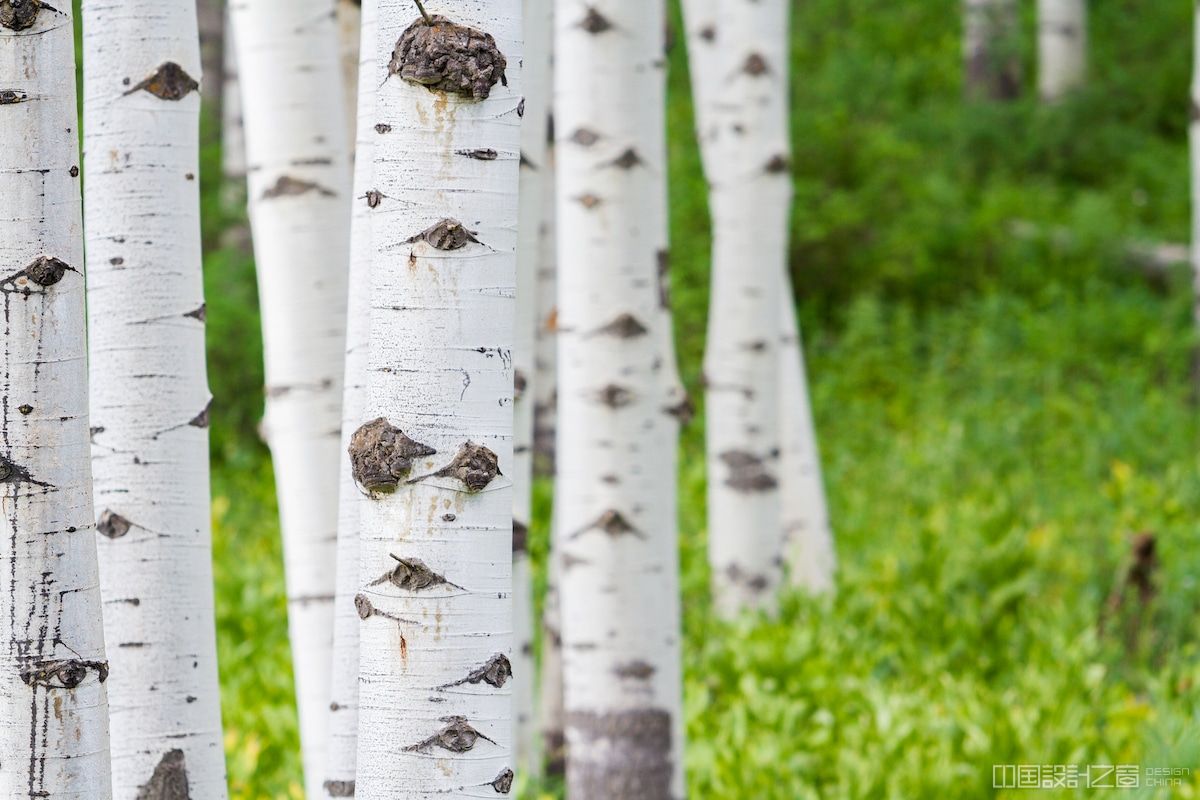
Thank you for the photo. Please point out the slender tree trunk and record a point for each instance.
(211, 17)
(1062, 47)
(233, 130)
(535, 78)
(809, 552)
(992, 63)
(725, 39)
(299, 191)
(349, 16)
(436, 537)
(1194, 137)
(53, 706)
(545, 383)
(343, 710)
(618, 428)
(150, 398)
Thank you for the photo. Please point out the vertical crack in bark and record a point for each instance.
(457, 736)
(495, 672)
(169, 781)
(381, 455)
(445, 56)
(169, 82)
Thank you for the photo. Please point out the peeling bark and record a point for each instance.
(300, 189)
(53, 700)
(620, 603)
(436, 554)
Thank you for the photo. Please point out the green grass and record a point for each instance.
(998, 415)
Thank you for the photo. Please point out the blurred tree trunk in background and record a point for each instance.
(436, 537)
(149, 393)
(289, 70)
(535, 78)
(764, 477)
(1194, 137)
(339, 780)
(349, 16)
(54, 732)
(1062, 47)
(211, 17)
(991, 58)
(619, 406)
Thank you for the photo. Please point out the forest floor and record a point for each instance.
(1002, 406)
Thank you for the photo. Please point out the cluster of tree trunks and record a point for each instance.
(991, 48)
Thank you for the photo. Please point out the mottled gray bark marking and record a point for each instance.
(447, 57)
(169, 781)
(639, 763)
(168, 82)
(112, 525)
(495, 672)
(458, 737)
(447, 235)
(381, 455)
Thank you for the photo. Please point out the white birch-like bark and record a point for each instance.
(749, 42)
(545, 382)
(149, 395)
(535, 80)
(1062, 47)
(435, 691)
(618, 406)
(299, 202)
(349, 16)
(343, 708)
(809, 553)
(53, 707)
(991, 62)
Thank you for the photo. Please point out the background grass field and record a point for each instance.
(1002, 402)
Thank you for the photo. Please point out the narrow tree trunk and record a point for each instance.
(53, 707)
(150, 398)
(299, 194)
(1062, 47)
(210, 15)
(1194, 137)
(435, 698)
(545, 383)
(343, 709)
(992, 63)
(535, 78)
(809, 552)
(617, 404)
(550, 707)
(349, 16)
(233, 130)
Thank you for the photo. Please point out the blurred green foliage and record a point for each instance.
(1001, 402)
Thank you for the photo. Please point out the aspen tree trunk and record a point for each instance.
(992, 65)
(435, 448)
(53, 707)
(1062, 47)
(343, 708)
(211, 18)
(545, 383)
(1194, 136)
(535, 78)
(233, 131)
(618, 406)
(809, 552)
(150, 398)
(751, 170)
(299, 200)
(349, 16)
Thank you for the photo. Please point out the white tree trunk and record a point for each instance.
(299, 194)
(1194, 137)
(349, 16)
(618, 430)
(992, 65)
(545, 382)
(1062, 47)
(233, 131)
(150, 398)
(809, 553)
(343, 708)
(750, 171)
(535, 80)
(435, 691)
(53, 709)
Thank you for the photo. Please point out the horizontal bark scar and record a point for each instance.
(612, 523)
(287, 186)
(411, 574)
(43, 271)
(475, 465)
(10, 472)
(495, 672)
(446, 235)
(64, 674)
(169, 82)
(458, 737)
(10, 97)
(747, 472)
